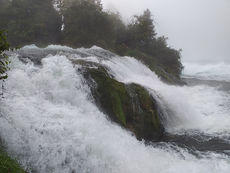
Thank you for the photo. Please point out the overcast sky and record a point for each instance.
(200, 27)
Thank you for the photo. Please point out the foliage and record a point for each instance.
(141, 36)
(86, 24)
(131, 105)
(8, 165)
(30, 22)
(3, 57)
(141, 31)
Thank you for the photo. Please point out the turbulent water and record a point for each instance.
(218, 71)
(50, 123)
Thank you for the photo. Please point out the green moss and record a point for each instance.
(117, 108)
(131, 105)
(148, 105)
(8, 165)
(148, 114)
(111, 94)
(155, 120)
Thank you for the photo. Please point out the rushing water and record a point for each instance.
(49, 121)
(216, 72)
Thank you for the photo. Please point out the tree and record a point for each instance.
(141, 31)
(86, 24)
(31, 22)
(142, 41)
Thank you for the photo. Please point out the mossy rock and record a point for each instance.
(131, 105)
(8, 165)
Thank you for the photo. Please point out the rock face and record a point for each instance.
(131, 105)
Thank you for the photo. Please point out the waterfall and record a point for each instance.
(50, 123)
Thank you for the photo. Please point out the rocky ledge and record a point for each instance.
(129, 105)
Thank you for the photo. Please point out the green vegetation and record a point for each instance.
(87, 24)
(30, 22)
(3, 57)
(141, 42)
(8, 165)
(131, 105)
(111, 94)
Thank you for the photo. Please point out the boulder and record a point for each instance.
(131, 106)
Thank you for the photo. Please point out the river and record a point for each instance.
(50, 123)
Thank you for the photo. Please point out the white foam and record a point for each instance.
(32, 46)
(218, 71)
(50, 123)
(201, 108)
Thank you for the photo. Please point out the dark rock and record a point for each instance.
(131, 105)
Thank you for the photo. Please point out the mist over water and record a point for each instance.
(50, 123)
(214, 71)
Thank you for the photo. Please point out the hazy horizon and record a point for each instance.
(201, 28)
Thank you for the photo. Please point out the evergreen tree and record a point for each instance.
(141, 31)
(31, 21)
(141, 37)
(86, 24)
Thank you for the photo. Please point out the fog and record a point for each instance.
(201, 28)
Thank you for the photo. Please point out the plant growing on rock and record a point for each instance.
(4, 61)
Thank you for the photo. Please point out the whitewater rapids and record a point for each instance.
(50, 123)
(218, 71)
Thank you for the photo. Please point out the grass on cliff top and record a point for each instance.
(8, 165)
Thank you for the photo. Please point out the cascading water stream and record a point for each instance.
(49, 121)
(201, 108)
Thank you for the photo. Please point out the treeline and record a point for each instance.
(30, 21)
(84, 23)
